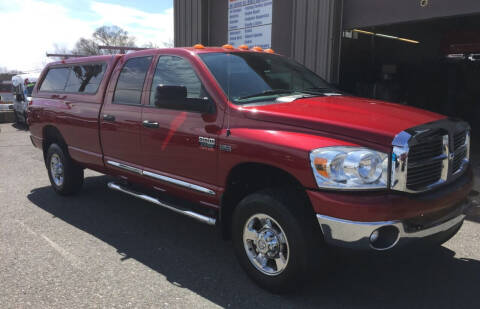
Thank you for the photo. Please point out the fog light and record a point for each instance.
(384, 237)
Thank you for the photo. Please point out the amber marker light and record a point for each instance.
(270, 51)
(321, 166)
(243, 47)
(198, 46)
(227, 46)
(257, 49)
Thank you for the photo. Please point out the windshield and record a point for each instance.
(261, 76)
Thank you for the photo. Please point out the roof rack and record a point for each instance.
(122, 49)
(65, 56)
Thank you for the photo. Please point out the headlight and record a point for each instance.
(349, 168)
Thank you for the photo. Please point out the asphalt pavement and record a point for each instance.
(108, 250)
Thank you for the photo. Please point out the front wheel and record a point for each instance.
(65, 175)
(275, 239)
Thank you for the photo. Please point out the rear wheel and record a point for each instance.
(275, 239)
(65, 175)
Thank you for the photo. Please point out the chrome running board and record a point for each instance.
(188, 213)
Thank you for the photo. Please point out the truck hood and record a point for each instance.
(363, 119)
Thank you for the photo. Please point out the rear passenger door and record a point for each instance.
(120, 117)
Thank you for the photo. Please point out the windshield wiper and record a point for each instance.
(266, 93)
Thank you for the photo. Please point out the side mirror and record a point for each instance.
(1, 99)
(170, 93)
(175, 97)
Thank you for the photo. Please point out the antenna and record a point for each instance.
(228, 110)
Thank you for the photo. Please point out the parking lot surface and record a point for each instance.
(104, 249)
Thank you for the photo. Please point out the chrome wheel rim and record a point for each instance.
(56, 169)
(266, 244)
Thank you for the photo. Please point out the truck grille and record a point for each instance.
(460, 151)
(425, 162)
(459, 139)
(430, 155)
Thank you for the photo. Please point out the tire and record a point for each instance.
(65, 175)
(295, 236)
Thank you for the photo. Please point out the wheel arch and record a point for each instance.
(51, 135)
(246, 178)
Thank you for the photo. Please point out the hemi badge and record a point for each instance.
(226, 148)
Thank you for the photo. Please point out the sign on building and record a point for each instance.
(250, 23)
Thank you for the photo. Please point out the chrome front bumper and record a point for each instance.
(354, 234)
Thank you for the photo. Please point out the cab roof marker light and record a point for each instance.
(386, 36)
(198, 46)
(243, 47)
(269, 50)
(227, 46)
(257, 49)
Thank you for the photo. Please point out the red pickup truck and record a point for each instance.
(258, 145)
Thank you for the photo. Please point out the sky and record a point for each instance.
(31, 28)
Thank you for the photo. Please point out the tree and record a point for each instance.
(165, 44)
(105, 35)
(168, 43)
(150, 45)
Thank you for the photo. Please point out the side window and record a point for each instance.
(85, 78)
(130, 82)
(176, 71)
(55, 80)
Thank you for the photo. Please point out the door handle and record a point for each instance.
(108, 117)
(150, 124)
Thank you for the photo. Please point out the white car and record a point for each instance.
(4, 105)
(23, 85)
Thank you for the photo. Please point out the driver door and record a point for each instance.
(171, 135)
